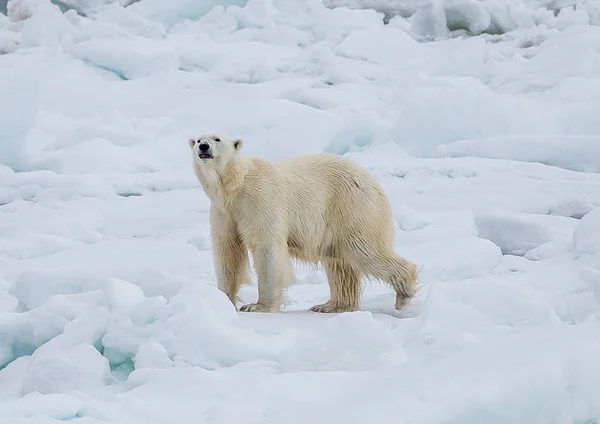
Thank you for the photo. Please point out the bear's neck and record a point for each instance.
(221, 185)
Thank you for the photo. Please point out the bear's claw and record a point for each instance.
(254, 307)
(329, 308)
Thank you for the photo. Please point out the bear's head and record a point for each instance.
(214, 150)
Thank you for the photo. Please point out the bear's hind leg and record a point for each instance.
(344, 286)
(398, 272)
(274, 271)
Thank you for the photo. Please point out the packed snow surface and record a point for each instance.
(480, 120)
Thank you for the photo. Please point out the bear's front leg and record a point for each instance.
(274, 271)
(230, 255)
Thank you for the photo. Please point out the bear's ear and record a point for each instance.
(191, 142)
(237, 144)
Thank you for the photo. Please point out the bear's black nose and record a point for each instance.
(204, 147)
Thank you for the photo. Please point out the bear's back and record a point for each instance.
(330, 177)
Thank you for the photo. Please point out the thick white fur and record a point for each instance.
(318, 208)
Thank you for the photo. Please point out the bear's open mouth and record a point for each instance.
(206, 156)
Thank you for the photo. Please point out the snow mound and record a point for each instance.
(434, 19)
(85, 7)
(80, 367)
(55, 407)
(464, 120)
(136, 58)
(578, 153)
(175, 11)
(23, 333)
(41, 23)
(332, 348)
(571, 206)
(419, 227)
(32, 294)
(454, 258)
(110, 328)
(475, 303)
(152, 355)
(586, 238)
(517, 234)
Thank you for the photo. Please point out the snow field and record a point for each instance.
(485, 145)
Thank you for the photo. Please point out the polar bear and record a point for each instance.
(318, 208)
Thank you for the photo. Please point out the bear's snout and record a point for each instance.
(204, 151)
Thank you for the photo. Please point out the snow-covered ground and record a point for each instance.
(480, 119)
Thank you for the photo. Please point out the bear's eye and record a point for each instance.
(217, 139)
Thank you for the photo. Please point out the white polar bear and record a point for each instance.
(318, 208)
